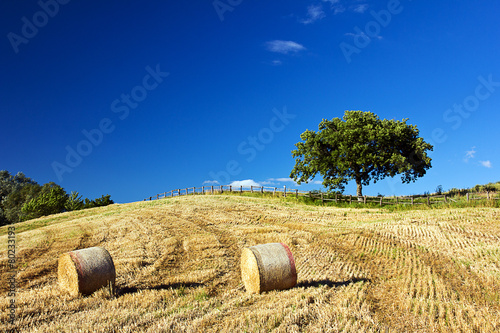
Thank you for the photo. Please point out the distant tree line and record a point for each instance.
(22, 198)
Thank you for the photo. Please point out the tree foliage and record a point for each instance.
(360, 147)
(104, 200)
(74, 202)
(51, 200)
(14, 192)
(21, 198)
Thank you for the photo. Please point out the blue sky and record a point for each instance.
(133, 98)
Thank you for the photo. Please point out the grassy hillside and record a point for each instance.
(177, 263)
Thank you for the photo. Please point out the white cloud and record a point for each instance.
(290, 180)
(341, 6)
(276, 62)
(360, 8)
(266, 182)
(210, 182)
(281, 180)
(470, 154)
(283, 46)
(314, 13)
(336, 6)
(247, 182)
(486, 164)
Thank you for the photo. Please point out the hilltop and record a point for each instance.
(177, 264)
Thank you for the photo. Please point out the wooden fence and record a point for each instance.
(324, 197)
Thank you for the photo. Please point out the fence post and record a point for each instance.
(467, 196)
(428, 201)
(274, 192)
(187, 191)
(381, 198)
(365, 200)
(230, 188)
(172, 193)
(212, 189)
(284, 193)
(488, 195)
(221, 189)
(203, 190)
(297, 193)
(322, 201)
(446, 201)
(262, 189)
(412, 200)
(335, 197)
(350, 199)
(194, 190)
(396, 200)
(241, 188)
(157, 196)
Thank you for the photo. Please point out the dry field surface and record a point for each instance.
(177, 264)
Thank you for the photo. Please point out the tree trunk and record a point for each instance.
(359, 189)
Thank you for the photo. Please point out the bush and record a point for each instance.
(74, 202)
(51, 200)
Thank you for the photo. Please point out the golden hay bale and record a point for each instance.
(268, 267)
(85, 271)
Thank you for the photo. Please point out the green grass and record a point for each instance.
(420, 203)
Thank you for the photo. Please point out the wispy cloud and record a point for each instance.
(210, 182)
(336, 6)
(360, 8)
(486, 164)
(314, 13)
(246, 182)
(470, 154)
(276, 62)
(290, 180)
(339, 6)
(281, 180)
(284, 47)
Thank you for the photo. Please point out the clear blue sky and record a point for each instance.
(132, 98)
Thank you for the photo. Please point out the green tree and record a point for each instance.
(14, 192)
(51, 200)
(439, 189)
(88, 203)
(360, 147)
(104, 200)
(74, 202)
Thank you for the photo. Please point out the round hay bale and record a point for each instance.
(268, 267)
(85, 271)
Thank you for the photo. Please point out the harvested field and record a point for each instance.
(178, 268)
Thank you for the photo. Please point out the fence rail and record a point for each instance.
(324, 197)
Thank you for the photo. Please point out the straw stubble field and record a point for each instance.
(177, 265)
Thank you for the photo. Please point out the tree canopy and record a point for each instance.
(360, 147)
(22, 198)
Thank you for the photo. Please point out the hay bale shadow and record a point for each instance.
(133, 290)
(330, 283)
